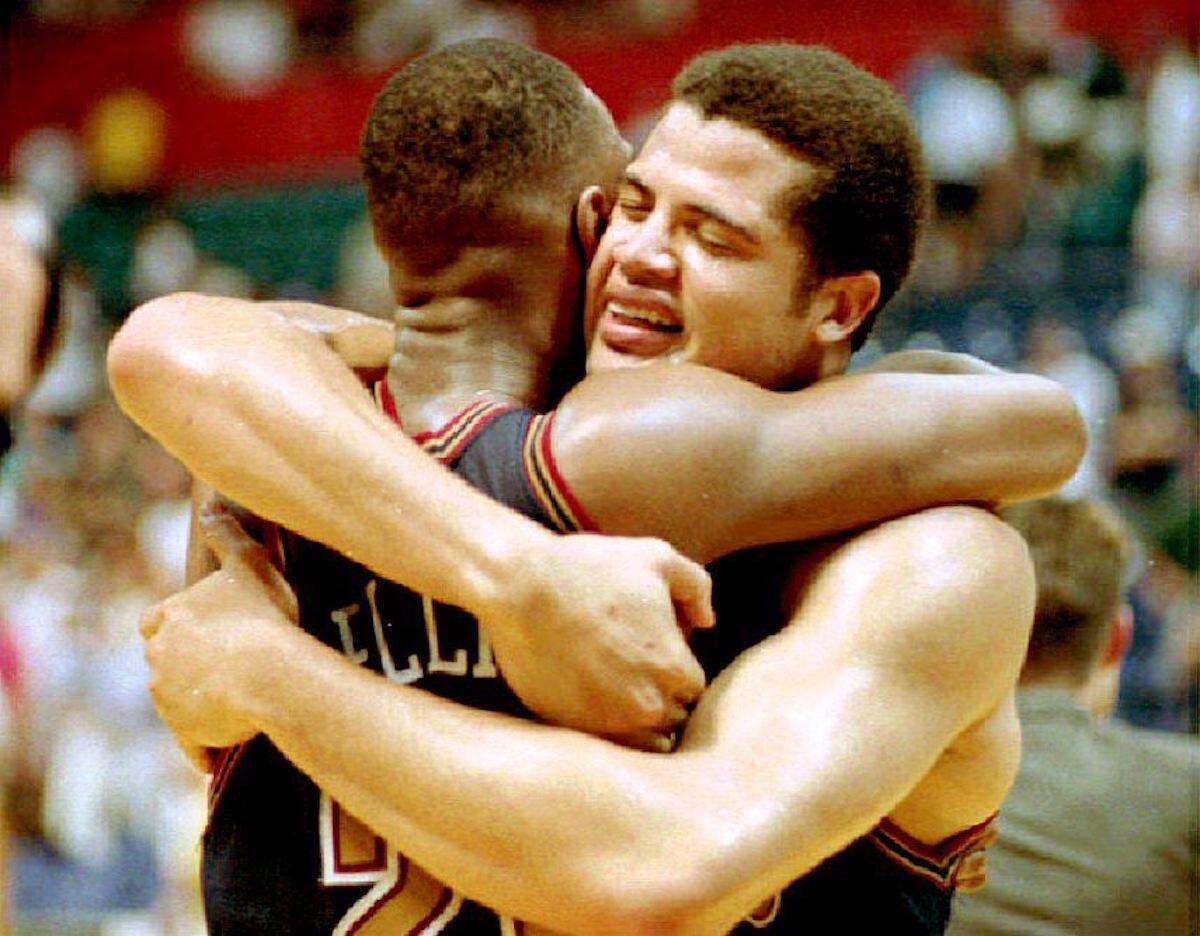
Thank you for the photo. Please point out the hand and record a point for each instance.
(196, 639)
(591, 634)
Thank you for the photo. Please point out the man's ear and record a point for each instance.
(591, 218)
(847, 301)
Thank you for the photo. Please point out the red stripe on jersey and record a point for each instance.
(447, 443)
(383, 396)
(447, 448)
(561, 488)
(224, 761)
(952, 862)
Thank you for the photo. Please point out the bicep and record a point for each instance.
(661, 451)
(820, 731)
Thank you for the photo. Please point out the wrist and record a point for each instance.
(262, 667)
(508, 560)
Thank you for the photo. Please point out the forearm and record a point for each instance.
(538, 822)
(580, 835)
(269, 416)
(648, 450)
(903, 442)
(363, 342)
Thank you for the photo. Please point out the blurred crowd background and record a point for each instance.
(151, 146)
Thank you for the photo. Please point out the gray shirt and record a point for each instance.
(1099, 834)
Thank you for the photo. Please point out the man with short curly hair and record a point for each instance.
(863, 204)
(860, 733)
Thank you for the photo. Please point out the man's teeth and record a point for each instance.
(644, 315)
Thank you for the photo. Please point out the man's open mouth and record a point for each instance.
(635, 316)
(638, 331)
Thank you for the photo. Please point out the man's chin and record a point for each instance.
(601, 357)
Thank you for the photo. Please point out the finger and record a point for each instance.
(675, 714)
(236, 549)
(688, 681)
(656, 742)
(691, 591)
(227, 539)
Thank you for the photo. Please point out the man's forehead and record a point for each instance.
(688, 154)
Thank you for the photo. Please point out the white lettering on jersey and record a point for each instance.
(410, 673)
(417, 664)
(436, 663)
(486, 667)
(341, 617)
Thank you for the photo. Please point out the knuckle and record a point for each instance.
(651, 707)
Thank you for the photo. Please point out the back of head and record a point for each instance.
(1080, 554)
(459, 140)
(864, 209)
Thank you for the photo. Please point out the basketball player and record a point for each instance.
(917, 671)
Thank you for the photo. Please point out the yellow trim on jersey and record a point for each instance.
(540, 475)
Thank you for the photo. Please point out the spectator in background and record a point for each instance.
(1166, 227)
(969, 136)
(1099, 834)
(24, 288)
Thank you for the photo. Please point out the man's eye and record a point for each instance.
(633, 209)
(712, 240)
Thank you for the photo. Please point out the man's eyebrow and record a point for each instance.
(628, 178)
(708, 211)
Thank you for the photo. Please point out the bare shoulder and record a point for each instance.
(941, 598)
(653, 396)
(647, 450)
(954, 548)
(964, 531)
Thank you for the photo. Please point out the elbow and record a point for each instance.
(1064, 434)
(1073, 436)
(1043, 435)
(144, 355)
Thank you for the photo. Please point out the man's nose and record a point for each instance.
(646, 254)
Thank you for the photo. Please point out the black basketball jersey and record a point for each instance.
(281, 856)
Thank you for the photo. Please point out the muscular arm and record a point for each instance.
(902, 639)
(295, 438)
(647, 451)
(653, 449)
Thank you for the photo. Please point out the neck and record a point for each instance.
(450, 354)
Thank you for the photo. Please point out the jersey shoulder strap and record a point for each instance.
(512, 460)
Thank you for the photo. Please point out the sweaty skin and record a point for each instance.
(905, 640)
(913, 632)
(264, 411)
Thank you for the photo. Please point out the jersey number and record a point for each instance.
(402, 900)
